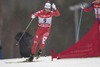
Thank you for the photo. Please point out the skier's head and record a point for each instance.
(47, 6)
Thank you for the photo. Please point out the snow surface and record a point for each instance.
(46, 62)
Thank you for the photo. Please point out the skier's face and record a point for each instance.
(47, 9)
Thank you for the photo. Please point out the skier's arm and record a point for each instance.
(55, 10)
(35, 14)
(89, 8)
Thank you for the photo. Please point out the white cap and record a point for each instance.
(47, 5)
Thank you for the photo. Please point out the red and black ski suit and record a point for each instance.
(44, 24)
(96, 7)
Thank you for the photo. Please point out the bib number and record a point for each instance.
(44, 20)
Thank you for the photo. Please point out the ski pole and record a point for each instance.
(24, 32)
(80, 20)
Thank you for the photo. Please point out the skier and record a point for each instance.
(44, 24)
(96, 6)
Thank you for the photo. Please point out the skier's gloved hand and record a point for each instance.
(54, 6)
(82, 6)
(33, 16)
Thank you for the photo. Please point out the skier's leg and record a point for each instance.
(42, 45)
(37, 38)
(35, 43)
(30, 59)
(44, 38)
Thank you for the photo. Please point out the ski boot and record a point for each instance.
(30, 59)
(38, 54)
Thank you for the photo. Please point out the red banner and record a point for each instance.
(87, 46)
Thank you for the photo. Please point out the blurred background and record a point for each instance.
(16, 14)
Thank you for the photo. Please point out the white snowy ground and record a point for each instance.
(46, 62)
